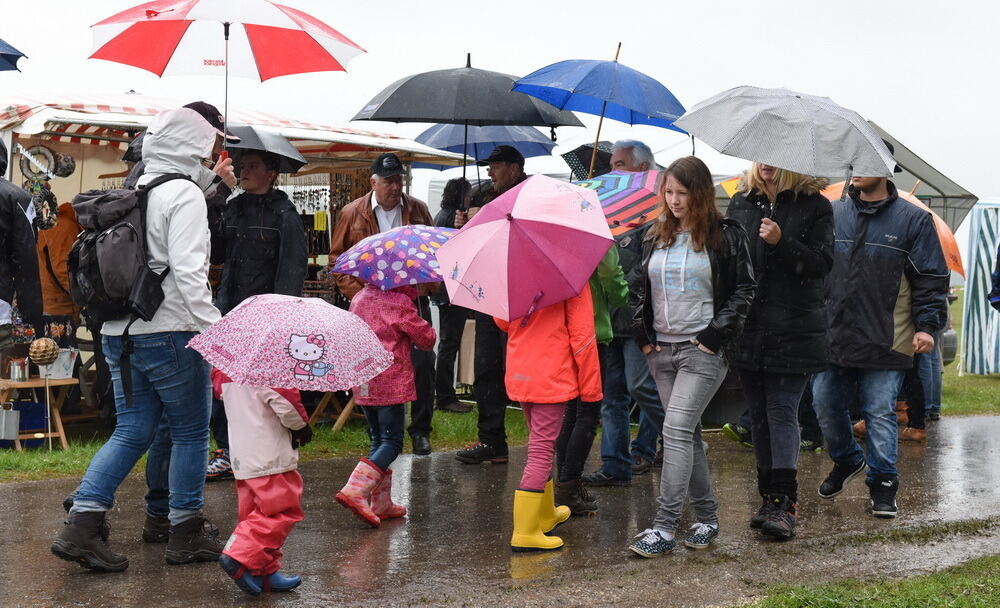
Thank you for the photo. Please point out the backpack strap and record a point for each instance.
(127, 346)
(52, 273)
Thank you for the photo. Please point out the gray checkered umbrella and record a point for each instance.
(801, 133)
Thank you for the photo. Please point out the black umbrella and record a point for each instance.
(463, 96)
(579, 159)
(252, 138)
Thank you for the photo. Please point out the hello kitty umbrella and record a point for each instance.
(288, 342)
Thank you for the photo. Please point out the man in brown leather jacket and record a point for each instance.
(385, 207)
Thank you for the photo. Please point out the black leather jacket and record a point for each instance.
(18, 259)
(733, 287)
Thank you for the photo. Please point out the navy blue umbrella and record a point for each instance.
(8, 57)
(529, 141)
(604, 88)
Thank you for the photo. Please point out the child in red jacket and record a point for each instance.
(392, 315)
(266, 426)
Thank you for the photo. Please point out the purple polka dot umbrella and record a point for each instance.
(401, 256)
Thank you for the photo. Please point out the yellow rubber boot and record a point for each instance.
(551, 515)
(528, 534)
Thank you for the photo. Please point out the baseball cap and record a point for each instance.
(214, 117)
(504, 154)
(387, 165)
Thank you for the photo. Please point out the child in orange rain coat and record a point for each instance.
(551, 360)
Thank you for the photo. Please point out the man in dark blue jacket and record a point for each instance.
(886, 299)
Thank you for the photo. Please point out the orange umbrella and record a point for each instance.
(948, 243)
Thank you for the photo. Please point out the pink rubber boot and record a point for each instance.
(382, 503)
(357, 492)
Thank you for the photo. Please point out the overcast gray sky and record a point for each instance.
(924, 70)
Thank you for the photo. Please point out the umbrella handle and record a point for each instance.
(531, 309)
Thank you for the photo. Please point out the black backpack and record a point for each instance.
(108, 273)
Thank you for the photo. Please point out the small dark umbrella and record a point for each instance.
(579, 159)
(252, 138)
(8, 57)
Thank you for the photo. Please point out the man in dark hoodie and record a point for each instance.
(18, 262)
(886, 300)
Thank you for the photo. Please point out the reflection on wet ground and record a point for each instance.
(455, 539)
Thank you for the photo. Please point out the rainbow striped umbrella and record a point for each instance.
(629, 199)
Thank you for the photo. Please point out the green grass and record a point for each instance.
(961, 396)
(974, 584)
(451, 431)
(969, 394)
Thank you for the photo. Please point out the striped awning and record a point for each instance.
(113, 120)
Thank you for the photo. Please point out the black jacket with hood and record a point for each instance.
(889, 279)
(733, 288)
(265, 248)
(18, 259)
(786, 329)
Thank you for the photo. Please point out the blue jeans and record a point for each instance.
(615, 431)
(642, 387)
(929, 368)
(168, 380)
(158, 471)
(833, 392)
(687, 379)
(385, 429)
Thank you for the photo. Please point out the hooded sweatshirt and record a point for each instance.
(681, 281)
(176, 223)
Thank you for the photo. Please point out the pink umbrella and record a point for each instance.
(288, 342)
(534, 245)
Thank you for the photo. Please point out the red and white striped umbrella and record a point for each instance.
(262, 39)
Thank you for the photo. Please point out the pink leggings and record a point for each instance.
(544, 421)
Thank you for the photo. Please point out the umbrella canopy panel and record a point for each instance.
(606, 88)
(290, 159)
(462, 95)
(802, 133)
(529, 141)
(266, 40)
(8, 57)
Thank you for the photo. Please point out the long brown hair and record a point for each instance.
(692, 173)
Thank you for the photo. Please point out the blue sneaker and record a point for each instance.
(244, 580)
(652, 543)
(701, 536)
(279, 582)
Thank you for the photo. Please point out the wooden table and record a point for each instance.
(343, 410)
(7, 388)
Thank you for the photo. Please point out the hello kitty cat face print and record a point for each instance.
(307, 352)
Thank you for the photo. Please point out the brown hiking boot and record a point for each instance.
(84, 540)
(155, 529)
(913, 434)
(195, 539)
(576, 497)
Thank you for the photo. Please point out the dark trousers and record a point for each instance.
(385, 429)
(913, 392)
(774, 405)
(449, 341)
(220, 424)
(808, 423)
(422, 409)
(579, 427)
(488, 386)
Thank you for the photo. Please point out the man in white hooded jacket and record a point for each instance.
(167, 377)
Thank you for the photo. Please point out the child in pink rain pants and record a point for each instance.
(266, 426)
(393, 317)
